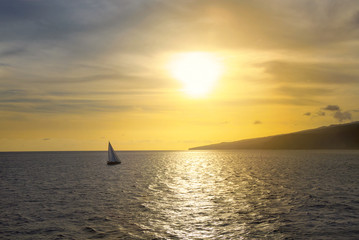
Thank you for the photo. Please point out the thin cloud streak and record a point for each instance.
(312, 73)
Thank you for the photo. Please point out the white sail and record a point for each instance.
(112, 156)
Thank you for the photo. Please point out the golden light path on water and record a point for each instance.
(200, 195)
(198, 198)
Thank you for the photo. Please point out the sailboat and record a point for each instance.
(112, 156)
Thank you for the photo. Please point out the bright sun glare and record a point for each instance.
(198, 72)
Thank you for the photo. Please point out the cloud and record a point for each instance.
(75, 106)
(283, 101)
(304, 92)
(276, 24)
(343, 116)
(30, 101)
(12, 52)
(311, 73)
(42, 20)
(261, 24)
(320, 113)
(62, 33)
(332, 108)
(339, 115)
(336, 111)
(78, 101)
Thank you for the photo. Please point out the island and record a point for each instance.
(339, 136)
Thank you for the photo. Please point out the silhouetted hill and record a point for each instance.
(341, 136)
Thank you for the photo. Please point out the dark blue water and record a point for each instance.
(180, 195)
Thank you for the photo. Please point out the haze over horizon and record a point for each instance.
(75, 74)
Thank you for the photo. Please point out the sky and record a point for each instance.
(77, 74)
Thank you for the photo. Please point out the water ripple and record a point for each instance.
(180, 195)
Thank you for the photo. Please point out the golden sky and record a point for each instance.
(76, 74)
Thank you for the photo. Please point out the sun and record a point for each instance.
(198, 72)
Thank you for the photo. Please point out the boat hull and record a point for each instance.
(112, 163)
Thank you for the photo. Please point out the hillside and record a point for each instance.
(341, 136)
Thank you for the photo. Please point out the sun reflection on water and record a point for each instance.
(197, 199)
(210, 195)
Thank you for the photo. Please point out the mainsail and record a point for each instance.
(112, 156)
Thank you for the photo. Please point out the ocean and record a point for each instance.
(246, 194)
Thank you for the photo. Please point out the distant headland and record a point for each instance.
(340, 136)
